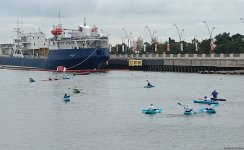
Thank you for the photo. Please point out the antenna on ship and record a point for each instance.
(21, 25)
(59, 22)
(18, 29)
(84, 21)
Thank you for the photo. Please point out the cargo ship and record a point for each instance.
(74, 49)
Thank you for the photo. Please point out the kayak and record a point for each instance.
(189, 112)
(210, 111)
(52, 79)
(66, 98)
(76, 91)
(83, 73)
(31, 80)
(205, 101)
(218, 99)
(152, 111)
(150, 86)
(66, 76)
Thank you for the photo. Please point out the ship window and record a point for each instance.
(38, 37)
(34, 44)
(33, 37)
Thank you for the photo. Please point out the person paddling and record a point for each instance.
(215, 94)
(188, 108)
(151, 107)
(65, 95)
(148, 83)
(31, 80)
(206, 98)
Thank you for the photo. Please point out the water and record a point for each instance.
(107, 115)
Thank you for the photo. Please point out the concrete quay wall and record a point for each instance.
(214, 63)
(191, 60)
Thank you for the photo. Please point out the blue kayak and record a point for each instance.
(189, 112)
(210, 110)
(149, 86)
(205, 101)
(67, 98)
(152, 111)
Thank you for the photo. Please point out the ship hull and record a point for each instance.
(88, 58)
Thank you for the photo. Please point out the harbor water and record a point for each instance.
(107, 114)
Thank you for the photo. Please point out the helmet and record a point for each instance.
(205, 97)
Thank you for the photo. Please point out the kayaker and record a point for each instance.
(151, 107)
(206, 98)
(148, 83)
(188, 108)
(31, 80)
(65, 95)
(215, 94)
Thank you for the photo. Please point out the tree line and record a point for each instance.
(223, 43)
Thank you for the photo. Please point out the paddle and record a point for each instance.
(218, 99)
(181, 105)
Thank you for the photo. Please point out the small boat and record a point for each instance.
(66, 76)
(31, 80)
(152, 111)
(189, 112)
(205, 101)
(67, 98)
(83, 73)
(149, 86)
(76, 91)
(218, 99)
(210, 110)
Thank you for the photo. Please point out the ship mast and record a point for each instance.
(18, 30)
(59, 20)
(84, 21)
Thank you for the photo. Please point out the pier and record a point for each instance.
(202, 63)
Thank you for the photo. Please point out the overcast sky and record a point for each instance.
(133, 15)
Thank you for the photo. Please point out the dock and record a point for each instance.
(202, 63)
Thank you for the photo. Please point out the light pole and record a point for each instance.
(123, 48)
(210, 33)
(155, 36)
(149, 32)
(127, 38)
(180, 36)
(177, 31)
(196, 44)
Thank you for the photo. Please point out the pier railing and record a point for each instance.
(179, 56)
